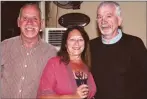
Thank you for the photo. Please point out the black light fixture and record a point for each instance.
(71, 19)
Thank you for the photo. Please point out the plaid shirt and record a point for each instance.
(21, 68)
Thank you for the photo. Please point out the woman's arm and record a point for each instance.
(82, 92)
(92, 88)
(61, 97)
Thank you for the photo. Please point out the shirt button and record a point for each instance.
(27, 53)
(22, 77)
(25, 65)
(20, 91)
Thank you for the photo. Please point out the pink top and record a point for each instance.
(57, 78)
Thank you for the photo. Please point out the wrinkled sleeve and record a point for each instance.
(48, 80)
(92, 86)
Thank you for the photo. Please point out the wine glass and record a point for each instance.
(81, 78)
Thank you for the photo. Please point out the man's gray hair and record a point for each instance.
(113, 3)
(29, 4)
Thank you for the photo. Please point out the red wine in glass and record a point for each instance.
(81, 79)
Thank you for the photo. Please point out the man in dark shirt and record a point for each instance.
(119, 60)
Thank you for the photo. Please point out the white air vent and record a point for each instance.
(54, 36)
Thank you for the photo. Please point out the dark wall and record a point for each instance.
(9, 14)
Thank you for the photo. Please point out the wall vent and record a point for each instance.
(54, 36)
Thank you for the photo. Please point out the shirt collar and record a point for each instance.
(113, 40)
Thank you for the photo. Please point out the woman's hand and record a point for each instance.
(82, 91)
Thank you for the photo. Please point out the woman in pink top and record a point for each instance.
(68, 74)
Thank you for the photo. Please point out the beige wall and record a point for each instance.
(134, 17)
